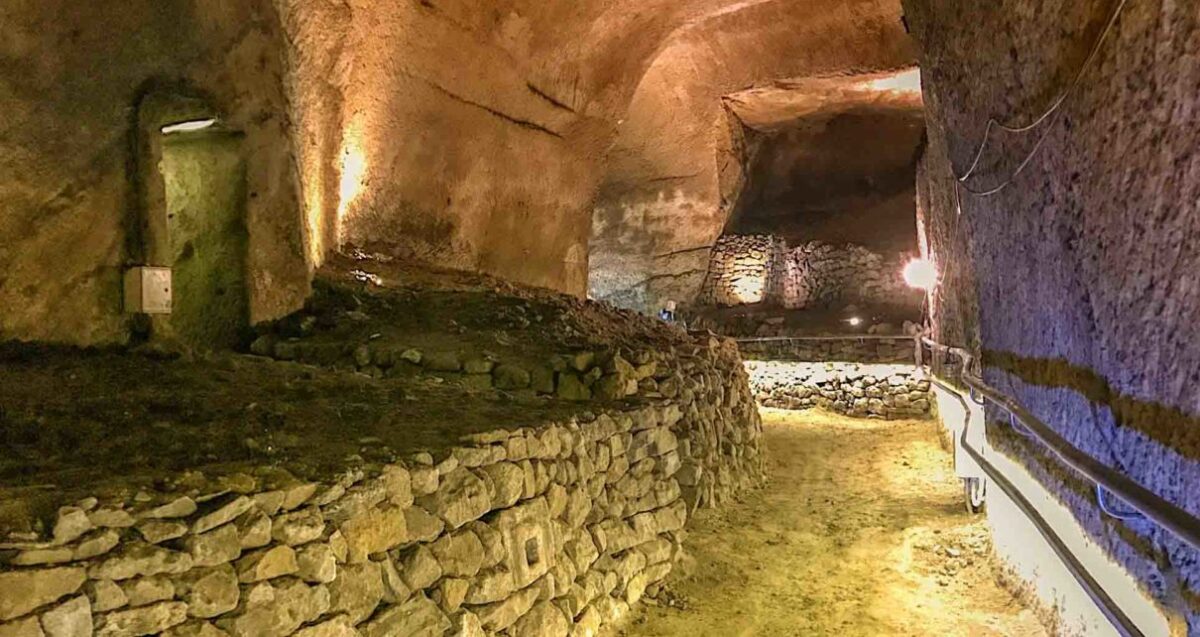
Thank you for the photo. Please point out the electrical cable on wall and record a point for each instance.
(1052, 114)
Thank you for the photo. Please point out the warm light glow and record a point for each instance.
(854, 321)
(920, 274)
(189, 126)
(904, 82)
(749, 290)
(354, 172)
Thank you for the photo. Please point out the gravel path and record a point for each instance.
(861, 532)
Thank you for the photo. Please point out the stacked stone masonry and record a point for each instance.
(854, 389)
(747, 269)
(810, 350)
(546, 531)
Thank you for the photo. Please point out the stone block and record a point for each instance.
(147, 620)
(461, 497)
(72, 618)
(418, 617)
(357, 591)
(374, 531)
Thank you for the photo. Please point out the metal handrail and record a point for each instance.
(1094, 590)
(1167, 515)
(840, 337)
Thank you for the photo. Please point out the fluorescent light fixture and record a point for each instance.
(189, 126)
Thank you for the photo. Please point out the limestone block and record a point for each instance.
(395, 590)
(287, 607)
(494, 551)
(543, 620)
(211, 592)
(147, 620)
(374, 531)
(254, 528)
(465, 624)
(419, 568)
(500, 615)
(460, 554)
(140, 559)
(508, 481)
(339, 626)
(298, 527)
(157, 531)
(195, 629)
(223, 514)
(357, 591)
(72, 618)
(27, 627)
(461, 498)
(143, 591)
(418, 617)
(450, 593)
(422, 526)
(105, 595)
(491, 586)
(316, 563)
(268, 563)
(218, 546)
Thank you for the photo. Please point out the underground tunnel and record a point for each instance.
(599, 318)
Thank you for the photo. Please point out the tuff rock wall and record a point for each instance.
(1069, 281)
(72, 78)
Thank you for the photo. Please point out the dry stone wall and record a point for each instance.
(548, 530)
(746, 269)
(854, 389)
(810, 350)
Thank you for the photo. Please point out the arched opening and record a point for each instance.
(192, 169)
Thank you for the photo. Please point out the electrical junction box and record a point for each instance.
(148, 290)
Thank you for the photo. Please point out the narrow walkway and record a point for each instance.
(861, 532)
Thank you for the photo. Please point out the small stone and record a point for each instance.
(442, 362)
(570, 387)
(195, 629)
(106, 595)
(287, 607)
(418, 617)
(158, 531)
(96, 544)
(35, 557)
(422, 526)
(375, 531)
(215, 547)
(316, 563)
(148, 590)
(357, 591)
(461, 498)
(506, 376)
(28, 589)
(72, 522)
(223, 515)
(339, 626)
(394, 588)
(543, 620)
(297, 495)
(419, 568)
(253, 529)
(70, 619)
(265, 564)
(212, 592)
(178, 508)
(450, 593)
(299, 527)
(411, 355)
(478, 365)
(111, 518)
(460, 554)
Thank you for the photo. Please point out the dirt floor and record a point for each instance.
(861, 532)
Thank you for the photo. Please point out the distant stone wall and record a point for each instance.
(854, 389)
(865, 350)
(744, 269)
(548, 530)
(748, 269)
